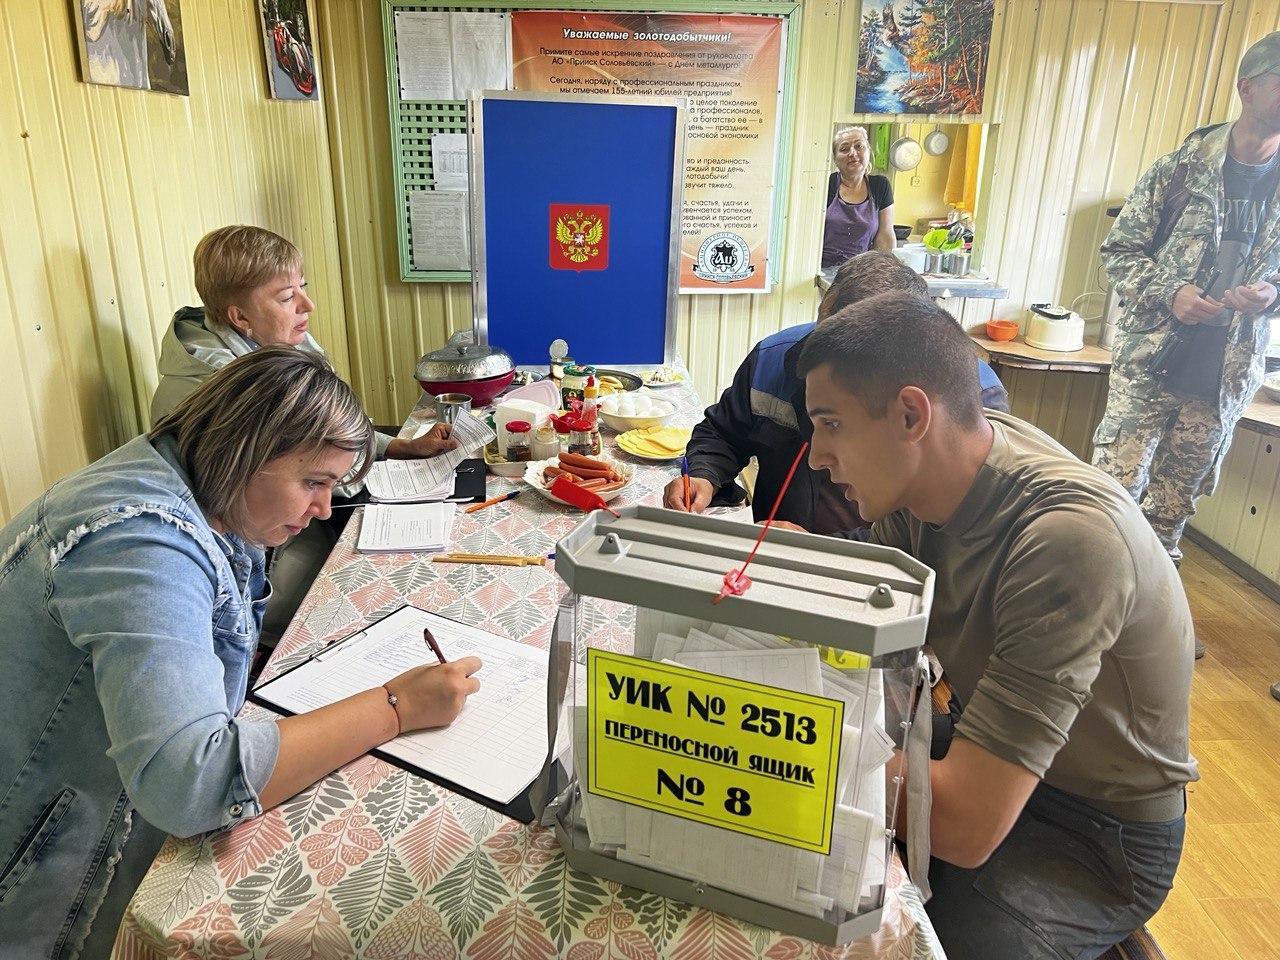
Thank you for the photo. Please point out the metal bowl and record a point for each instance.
(629, 381)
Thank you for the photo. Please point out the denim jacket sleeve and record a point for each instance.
(139, 597)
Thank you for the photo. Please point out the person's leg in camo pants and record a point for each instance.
(1164, 451)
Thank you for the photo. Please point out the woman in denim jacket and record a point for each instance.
(131, 595)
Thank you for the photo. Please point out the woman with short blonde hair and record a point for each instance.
(131, 596)
(255, 295)
(859, 203)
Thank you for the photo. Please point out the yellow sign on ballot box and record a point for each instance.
(747, 757)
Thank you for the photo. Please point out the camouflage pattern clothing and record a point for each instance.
(1151, 440)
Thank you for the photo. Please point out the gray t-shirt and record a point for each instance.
(1062, 623)
(1242, 210)
(1246, 191)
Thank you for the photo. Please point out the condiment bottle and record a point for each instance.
(519, 449)
(590, 395)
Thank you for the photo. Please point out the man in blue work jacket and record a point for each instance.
(762, 414)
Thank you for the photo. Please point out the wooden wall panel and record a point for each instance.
(106, 192)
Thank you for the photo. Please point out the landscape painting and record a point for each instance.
(923, 56)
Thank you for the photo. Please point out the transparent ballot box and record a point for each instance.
(744, 755)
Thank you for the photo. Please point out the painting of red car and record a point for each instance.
(291, 64)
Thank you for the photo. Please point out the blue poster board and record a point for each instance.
(576, 224)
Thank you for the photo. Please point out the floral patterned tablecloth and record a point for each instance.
(376, 862)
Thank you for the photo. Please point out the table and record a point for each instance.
(1018, 353)
(1263, 415)
(373, 861)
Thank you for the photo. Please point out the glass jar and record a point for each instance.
(519, 448)
(584, 440)
(574, 383)
(546, 445)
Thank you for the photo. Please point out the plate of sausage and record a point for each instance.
(604, 476)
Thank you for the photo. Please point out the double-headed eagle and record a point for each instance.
(579, 236)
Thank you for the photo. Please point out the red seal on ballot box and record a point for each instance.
(579, 236)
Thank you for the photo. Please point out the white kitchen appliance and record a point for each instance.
(1053, 327)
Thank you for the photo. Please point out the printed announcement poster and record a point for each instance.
(730, 69)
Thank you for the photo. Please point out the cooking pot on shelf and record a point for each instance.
(479, 370)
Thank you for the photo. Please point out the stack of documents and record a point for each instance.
(792, 878)
(420, 481)
(418, 527)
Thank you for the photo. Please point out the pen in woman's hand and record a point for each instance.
(435, 647)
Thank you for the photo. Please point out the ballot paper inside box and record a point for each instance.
(745, 755)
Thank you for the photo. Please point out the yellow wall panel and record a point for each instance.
(106, 193)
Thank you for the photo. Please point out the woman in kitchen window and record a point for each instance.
(859, 203)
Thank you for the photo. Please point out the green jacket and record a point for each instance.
(1147, 279)
(192, 350)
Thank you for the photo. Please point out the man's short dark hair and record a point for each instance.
(866, 275)
(892, 340)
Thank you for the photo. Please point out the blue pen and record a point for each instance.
(684, 473)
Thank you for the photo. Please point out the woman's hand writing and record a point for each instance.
(432, 696)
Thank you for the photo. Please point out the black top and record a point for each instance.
(878, 187)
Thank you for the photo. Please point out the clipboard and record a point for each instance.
(520, 807)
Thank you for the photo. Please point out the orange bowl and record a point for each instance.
(1001, 329)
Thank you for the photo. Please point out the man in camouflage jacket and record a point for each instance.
(1162, 252)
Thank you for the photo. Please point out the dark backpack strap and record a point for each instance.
(1176, 196)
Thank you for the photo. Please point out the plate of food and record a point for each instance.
(658, 444)
(630, 411)
(615, 381)
(602, 475)
(666, 375)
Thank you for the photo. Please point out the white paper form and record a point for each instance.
(496, 745)
(481, 50)
(416, 480)
(792, 669)
(444, 56)
(405, 481)
(606, 818)
(440, 222)
(400, 527)
(423, 55)
(449, 161)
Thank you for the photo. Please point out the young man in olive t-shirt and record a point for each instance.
(1058, 618)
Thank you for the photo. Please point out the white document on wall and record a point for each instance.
(449, 161)
(423, 55)
(440, 224)
(497, 744)
(445, 56)
(481, 51)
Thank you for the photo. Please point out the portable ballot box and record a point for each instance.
(743, 755)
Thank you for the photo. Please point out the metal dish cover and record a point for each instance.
(463, 361)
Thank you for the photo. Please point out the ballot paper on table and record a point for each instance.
(417, 481)
(392, 527)
(494, 748)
